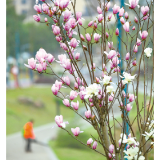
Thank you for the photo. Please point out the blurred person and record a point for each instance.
(28, 134)
(14, 71)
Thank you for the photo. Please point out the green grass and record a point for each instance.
(18, 114)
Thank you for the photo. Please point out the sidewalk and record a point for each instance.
(15, 145)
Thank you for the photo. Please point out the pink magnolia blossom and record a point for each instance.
(127, 56)
(128, 107)
(135, 20)
(115, 9)
(39, 68)
(95, 25)
(117, 32)
(31, 63)
(131, 97)
(63, 4)
(99, 10)
(77, 56)
(143, 35)
(126, 26)
(88, 114)
(110, 45)
(45, 19)
(59, 121)
(115, 61)
(45, 8)
(67, 26)
(90, 140)
(90, 23)
(107, 35)
(63, 45)
(107, 5)
(55, 21)
(76, 131)
(73, 43)
(50, 58)
(90, 100)
(122, 20)
(146, 17)
(134, 63)
(121, 12)
(109, 155)
(111, 54)
(82, 38)
(78, 80)
(100, 18)
(58, 84)
(144, 10)
(111, 148)
(80, 22)
(50, 13)
(138, 42)
(44, 65)
(133, 28)
(97, 80)
(56, 30)
(66, 80)
(78, 15)
(126, 15)
(88, 37)
(91, 104)
(97, 37)
(41, 54)
(109, 17)
(66, 102)
(76, 86)
(82, 88)
(73, 95)
(38, 8)
(75, 105)
(82, 95)
(111, 97)
(58, 38)
(37, 18)
(133, 4)
(54, 89)
(66, 15)
(135, 49)
(72, 23)
(95, 145)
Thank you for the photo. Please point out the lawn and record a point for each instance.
(17, 114)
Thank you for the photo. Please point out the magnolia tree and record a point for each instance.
(100, 93)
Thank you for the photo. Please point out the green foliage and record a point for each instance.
(36, 36)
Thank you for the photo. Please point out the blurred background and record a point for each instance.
(28, 94)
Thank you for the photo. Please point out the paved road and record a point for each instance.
(15, 145)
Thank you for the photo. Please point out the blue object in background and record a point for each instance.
(119, 26)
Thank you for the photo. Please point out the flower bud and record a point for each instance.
(95, 145)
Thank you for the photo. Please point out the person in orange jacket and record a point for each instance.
(28, 134)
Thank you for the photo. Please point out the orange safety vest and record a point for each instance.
(28, 131)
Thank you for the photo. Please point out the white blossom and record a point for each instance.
(93, 89)
(127, 78)
(131, 153)
(148, 52)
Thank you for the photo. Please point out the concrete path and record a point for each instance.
(15, 145)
